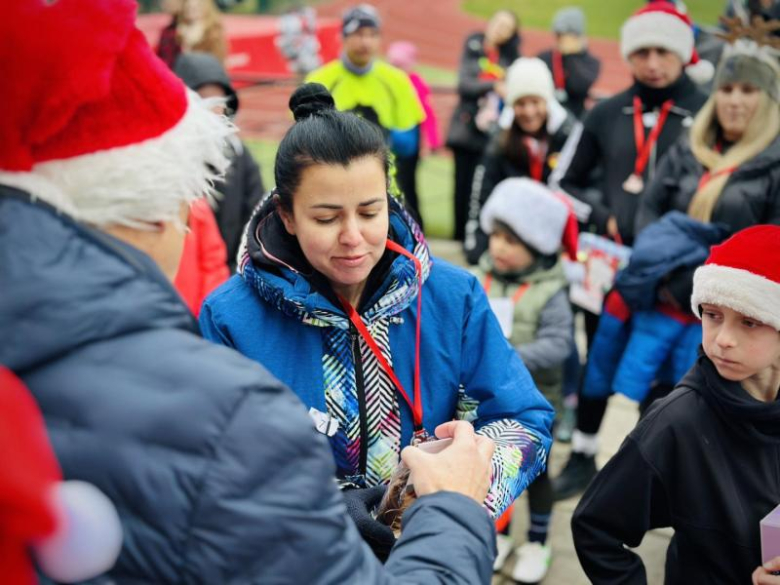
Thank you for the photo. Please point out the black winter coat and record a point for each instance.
(581, 70)
(463, 132)
(241, 191)
(214, 466)
(751, 195)
(497, 166)
(607, 142)
(705, 461)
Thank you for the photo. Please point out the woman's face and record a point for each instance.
(500, 28)
(531, 113)
(340, 216)
(735, 105)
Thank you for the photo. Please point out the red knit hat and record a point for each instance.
(661, 24)
(743, 274)
(85, 80)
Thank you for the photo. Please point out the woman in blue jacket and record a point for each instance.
(338, 297)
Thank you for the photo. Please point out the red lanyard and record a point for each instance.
(643, 147)
(416, 407)
(559, 75)
(521, 290)
(535, 157)
(708, 176)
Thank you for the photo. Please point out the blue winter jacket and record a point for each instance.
(274, 315)
(213, 465)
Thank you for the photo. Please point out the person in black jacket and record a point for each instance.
(242, 188)
(536, 129)
(214, 466)
(728, 169)
(573, 68)
(623, 138)
(704, 460)
(480, 88)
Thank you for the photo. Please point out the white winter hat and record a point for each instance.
(658, 24)
(530, 209)
(528, 76)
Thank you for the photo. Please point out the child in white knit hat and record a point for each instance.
(523, 276)
(704, 460)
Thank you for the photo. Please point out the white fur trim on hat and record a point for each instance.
(742, 291)
(528, 76)
(657, 29)
(141, 183)
(530, 209)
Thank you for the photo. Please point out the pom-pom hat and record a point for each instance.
(660, 24)
(93, 122)
(743, 274)
(529, 76)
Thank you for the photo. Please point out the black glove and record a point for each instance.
(360, 503)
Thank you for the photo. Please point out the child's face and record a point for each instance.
(509, 254)
(740, 347)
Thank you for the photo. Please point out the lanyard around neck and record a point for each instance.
(559, 75)
(536, 151)
(415, 406)
(522, 289)
(644, 147)
(709, 175)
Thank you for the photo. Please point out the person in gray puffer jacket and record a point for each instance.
(214, 467)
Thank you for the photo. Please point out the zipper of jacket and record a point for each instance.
(360, 389)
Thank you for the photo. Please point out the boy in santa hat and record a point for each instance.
(214, 467)
(523, 275)
(704, 459)
(623, 139)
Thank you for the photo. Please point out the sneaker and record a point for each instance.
(533, 561)
(504, 546)
(575, 477)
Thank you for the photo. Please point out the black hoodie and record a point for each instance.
(705, 461)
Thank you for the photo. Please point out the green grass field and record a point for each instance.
(604, 16)
(434, 179)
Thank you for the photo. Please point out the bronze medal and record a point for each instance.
(634, 184)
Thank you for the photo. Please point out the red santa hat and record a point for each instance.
(71, 527)
(661, 24)
(743, 274)
(92, 117)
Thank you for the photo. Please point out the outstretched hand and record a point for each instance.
(463, 467)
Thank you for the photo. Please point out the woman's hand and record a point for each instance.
(463, 467)
(767, 574)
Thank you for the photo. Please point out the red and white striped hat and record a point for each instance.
(743, 274)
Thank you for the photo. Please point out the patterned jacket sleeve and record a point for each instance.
(499, 397)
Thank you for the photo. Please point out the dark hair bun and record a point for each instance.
(310, 99)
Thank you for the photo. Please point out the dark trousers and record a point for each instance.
(466, 162)
(406, 178)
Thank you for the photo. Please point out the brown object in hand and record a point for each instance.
(398, 497)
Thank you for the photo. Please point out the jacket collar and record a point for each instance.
(274, 265)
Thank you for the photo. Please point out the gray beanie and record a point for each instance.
(570, 20)
(742, 67)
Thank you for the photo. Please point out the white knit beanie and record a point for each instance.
(530, 210)
(528, 76)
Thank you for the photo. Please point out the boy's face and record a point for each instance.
(740, 347)
(509, 254)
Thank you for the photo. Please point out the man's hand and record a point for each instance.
(767, 574)
(463, 467)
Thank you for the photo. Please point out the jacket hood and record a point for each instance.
(273, 264)
(751, 419)
(64, 285)
(197, 69)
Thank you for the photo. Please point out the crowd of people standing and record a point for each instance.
(243, 372)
